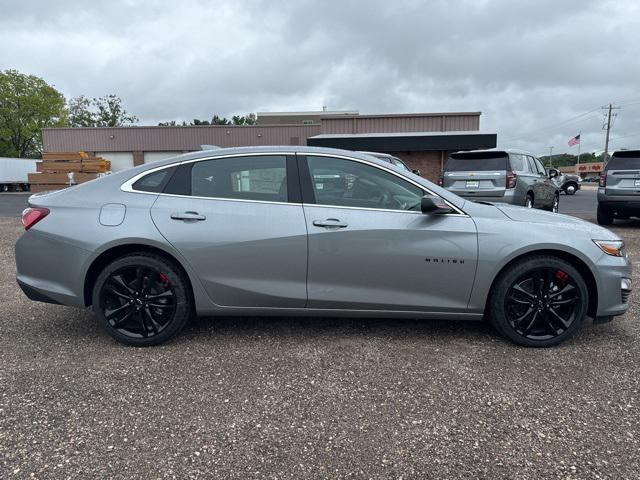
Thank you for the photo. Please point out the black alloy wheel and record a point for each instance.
(141, 299)
(540, 302)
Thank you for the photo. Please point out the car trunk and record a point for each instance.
(623, 174)
(481, 174)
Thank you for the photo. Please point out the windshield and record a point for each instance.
(624, 161)
(475, 162)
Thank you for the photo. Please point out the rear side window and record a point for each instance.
(154, 182)
(243, 178)
(475, 162)
(518, 163)
(624, 161)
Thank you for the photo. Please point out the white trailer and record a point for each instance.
(14, 173)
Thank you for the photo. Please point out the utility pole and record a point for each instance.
(550, 157)
(607, 127)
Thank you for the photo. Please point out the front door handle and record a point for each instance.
(188, 216)
(330, 223)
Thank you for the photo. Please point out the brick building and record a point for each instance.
(422, 140)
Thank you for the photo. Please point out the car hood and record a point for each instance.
(530, 215)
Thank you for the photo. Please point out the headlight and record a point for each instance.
(615, 248)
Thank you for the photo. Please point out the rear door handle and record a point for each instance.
(188, 216)
(330, 223)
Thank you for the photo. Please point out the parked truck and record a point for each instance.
(14, 173)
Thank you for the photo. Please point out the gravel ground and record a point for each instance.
(312, 398)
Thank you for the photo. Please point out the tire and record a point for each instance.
(604, 217)
(556, 203)
(24, 187)
(142, 299)
(570, 189)
(4, 187)
(541, 328)
(528, 201)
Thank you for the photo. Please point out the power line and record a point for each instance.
(565, 122)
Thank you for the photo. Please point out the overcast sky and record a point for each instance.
(539, 71)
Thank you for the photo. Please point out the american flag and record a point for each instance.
(574, 141)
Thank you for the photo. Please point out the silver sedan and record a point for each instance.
(310, 231)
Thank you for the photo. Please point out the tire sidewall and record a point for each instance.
(507, 279)
(177, 281)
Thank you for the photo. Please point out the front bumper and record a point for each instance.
(611, 273)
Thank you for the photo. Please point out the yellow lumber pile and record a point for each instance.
(62, 169)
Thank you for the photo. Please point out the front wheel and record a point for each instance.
(539, 302)
(570, 189)
(142, 299)
(556, 203)
(528, 202)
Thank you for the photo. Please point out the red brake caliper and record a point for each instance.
(164, 279)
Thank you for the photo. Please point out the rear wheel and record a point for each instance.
(539, 302)
(528, 203)
(142, 299)
(604, 217)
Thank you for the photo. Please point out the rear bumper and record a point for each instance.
(50, 270)
(618, 202)
(508, 197)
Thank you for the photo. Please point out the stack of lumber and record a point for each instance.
(63, 169)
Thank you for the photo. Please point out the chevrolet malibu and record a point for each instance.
(310, 231)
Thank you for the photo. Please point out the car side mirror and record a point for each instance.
(417, 172)
(431, 204)
(553, 173)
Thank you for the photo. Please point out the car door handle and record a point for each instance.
(193, 216)
(330, 223)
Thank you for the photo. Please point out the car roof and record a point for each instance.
(504, 151)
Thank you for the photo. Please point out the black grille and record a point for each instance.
(625, 295)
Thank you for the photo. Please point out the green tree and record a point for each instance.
(105, 111)
(27, 105)
(249, 119)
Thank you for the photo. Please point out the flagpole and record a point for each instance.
(579, 142)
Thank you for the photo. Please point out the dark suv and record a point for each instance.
(619, 190)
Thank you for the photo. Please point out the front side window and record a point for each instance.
(348, 183)
(243, 178)
(541, 169)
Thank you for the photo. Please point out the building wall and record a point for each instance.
(402, 123)
(428, 162)
(161, 139)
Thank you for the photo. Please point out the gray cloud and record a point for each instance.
(530, 67)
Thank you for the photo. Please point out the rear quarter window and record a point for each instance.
(154, 182)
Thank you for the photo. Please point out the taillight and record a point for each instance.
(603, 179)
(511, 179)
(440, 181)
(31, 216)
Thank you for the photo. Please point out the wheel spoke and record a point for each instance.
(564, 301)
(109, 314)
(548, 281)
(120, 281)
(568, 288)
(527, 330)
(522, 291)
(155, 326)
(524, 316)
(565, 323)
(139, 279)
(121, 321)
(114, 291)
(166, 294)
(159, 305)
(143, 324)
(512, 298)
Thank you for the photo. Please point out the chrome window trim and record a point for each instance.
(128, 185)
